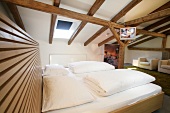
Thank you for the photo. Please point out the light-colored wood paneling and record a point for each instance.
(20, 76)
(147, 105)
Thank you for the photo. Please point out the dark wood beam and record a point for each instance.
(164, 40)
(165, 6)
(53, 21)
(145, 40)
(153, 16)
(149, 49)
(105, 41)
(15, 13)
(117, 37)
(114, 19)
(156, 24)
(140, 31)
(91, 12)
(63, 12)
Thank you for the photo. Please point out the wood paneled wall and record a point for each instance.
(20, 74)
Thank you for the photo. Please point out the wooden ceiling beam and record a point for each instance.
(145, 40)
(53, 21)
(114, 19)
(158, 23)
(15, 13)
(150, 33)
(105, 41)
(153, 16)
(165, 6)
(63, 12)
(91, 12)
(149, 49)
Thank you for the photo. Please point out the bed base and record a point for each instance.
(147, 105)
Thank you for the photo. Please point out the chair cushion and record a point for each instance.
(145, 63)
(165, 66)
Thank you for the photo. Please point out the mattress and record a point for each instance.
(113, 102)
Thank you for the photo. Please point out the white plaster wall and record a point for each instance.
(168, 42)
(135, 54)
(92, 51)
(154, 43)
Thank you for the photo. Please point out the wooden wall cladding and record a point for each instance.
(20, 74)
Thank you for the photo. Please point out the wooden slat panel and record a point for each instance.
(13, 53)
(20, 77)
(13, 46)
(16, 98)
(12, 89)
(13, 32)
(7, 21)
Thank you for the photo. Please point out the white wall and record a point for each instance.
(92, 51)
(155, 43)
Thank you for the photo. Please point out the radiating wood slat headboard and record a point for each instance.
(20, 75)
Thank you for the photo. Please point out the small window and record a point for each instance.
(64, 25)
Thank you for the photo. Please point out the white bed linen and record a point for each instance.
(109, 82)
(113, 102)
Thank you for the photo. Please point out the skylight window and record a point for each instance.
(64, 25)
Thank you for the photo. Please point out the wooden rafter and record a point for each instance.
(91, 12)
(63, 12)
(114, 19)
(53, 21)
(105, 41)
(140, 31)
(149, 38)
(165, 6)
(156, 24)
(14, 10)
(149, 49)
(153, 16)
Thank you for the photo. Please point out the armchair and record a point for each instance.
(151, 64)
(164, 66)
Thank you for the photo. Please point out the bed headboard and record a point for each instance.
(20, 75)
(64, 59)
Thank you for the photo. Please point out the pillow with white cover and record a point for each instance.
(62, 92)
(106, 83)
(55, 70)
(89, 66)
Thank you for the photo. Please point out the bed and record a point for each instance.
(143, 98)
(21, 80)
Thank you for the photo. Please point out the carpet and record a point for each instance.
(162, 79)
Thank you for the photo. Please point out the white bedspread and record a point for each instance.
(113, 102)
(106, 83)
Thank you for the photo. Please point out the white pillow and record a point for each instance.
(62, 92)
(89, 66)
(55, 70)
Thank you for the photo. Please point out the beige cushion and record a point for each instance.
(145, 63)
(165, 66)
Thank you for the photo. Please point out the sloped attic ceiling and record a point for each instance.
(37, 23)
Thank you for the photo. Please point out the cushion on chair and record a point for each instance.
(145, 63)
(165, 66)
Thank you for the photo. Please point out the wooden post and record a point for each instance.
(121, 57)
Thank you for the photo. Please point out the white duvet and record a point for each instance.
(106, 83)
